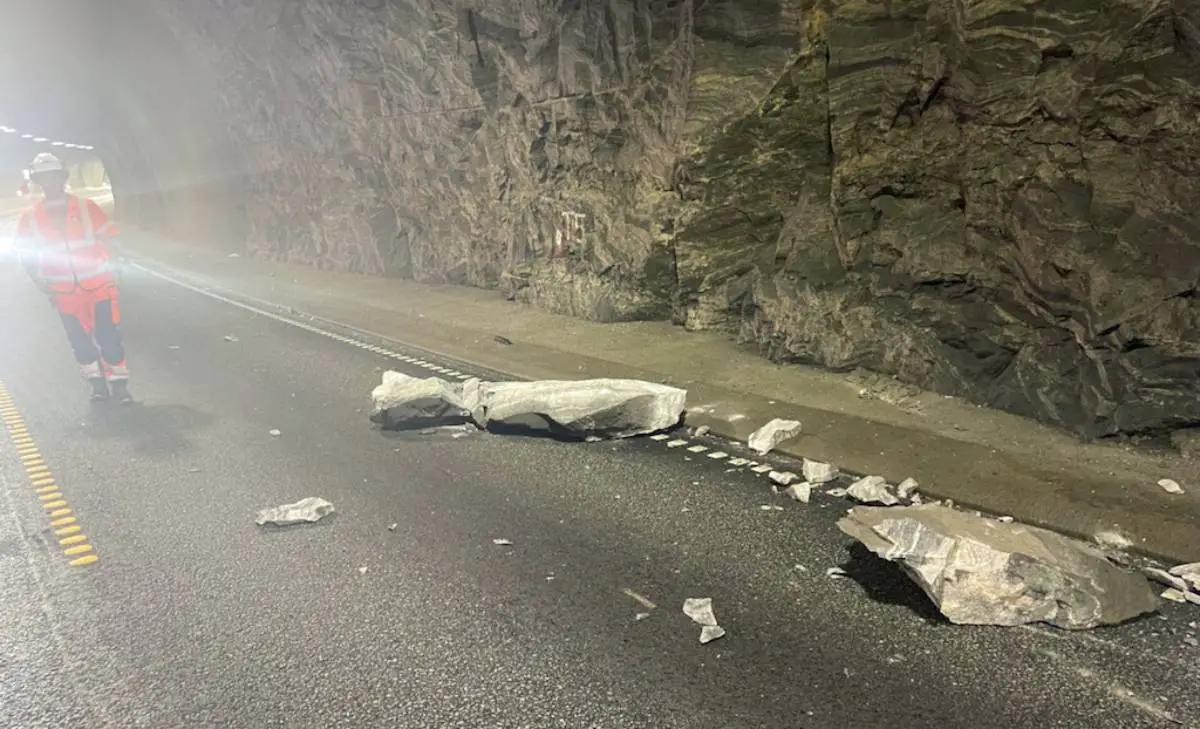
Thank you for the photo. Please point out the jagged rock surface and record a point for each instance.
(601, 408)
(984, 572)
(996, 203)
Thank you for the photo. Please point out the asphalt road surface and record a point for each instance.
(401, 611)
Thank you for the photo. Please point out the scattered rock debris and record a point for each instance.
(771, 507)
(641, 616)
(1189, 573)
(816, 472)
(836, 573)
(603, 408)
(311, 509)
(907, 488)
(392, 527)
(1171, 486)
(702, 431)
(699, 609)
(981, 572)
(801, 492)
(872, 490)
(783, 478)
(274, 432)
(1112, 539)
(502, 542)
(231, 338)
(763, 440)
(502, 340)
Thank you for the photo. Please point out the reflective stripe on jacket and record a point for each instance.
(76, 257)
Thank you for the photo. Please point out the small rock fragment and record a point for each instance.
(771, 507)
(1004, 519)
(641, 616)
(1173, 595)
(230, 338)
(502, 542)
(1189, 573)
(306, 510)
(836, 493)
(763, 440)
(1171, 486)
(836, 573)
(816, 472)
(907, 488)
(1113, 539)
(872, 490)
(233, 255)
(173, 347)
(392, 527)
(801, 492)
(699, 609)
(1163, 577)
(783, 478)
(502, 340)
(274, 432)
(703, 430)
(362, 570)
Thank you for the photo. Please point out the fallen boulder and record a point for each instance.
(592, 409)
(979, 571)
(401, 397)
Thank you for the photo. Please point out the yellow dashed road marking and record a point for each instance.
(49, 493)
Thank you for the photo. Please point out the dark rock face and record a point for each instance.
(994, 200)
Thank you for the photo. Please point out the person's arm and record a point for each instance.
(103, 227)
(28, 252)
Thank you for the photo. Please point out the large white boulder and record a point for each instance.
(980, 571)
(603, 408)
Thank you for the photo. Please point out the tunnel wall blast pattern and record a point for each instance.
(995, 201)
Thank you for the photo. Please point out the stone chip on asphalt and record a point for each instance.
(699, 609)
(979, 571)
(763, 440)
(307, 510)
(816, 472)
(872, 490)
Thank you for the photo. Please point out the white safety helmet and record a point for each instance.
(46, 162)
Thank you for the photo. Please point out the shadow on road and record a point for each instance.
(884, 582)
(157, 431)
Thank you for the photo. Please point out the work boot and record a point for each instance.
(99, 388)
(120, 391)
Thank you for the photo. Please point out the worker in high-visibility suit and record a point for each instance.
(63, 243)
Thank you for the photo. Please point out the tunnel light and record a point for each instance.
(40, 139)
(86, 146)
(7, 130)
(56, 144)
(26, 136)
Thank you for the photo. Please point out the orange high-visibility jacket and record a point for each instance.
(69, 260)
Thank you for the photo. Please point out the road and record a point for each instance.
(401, 611)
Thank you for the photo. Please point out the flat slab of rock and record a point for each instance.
(763, 440)
(600, 408)
(979, 571)
(308, 510)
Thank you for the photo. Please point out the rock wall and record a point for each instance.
(990, 199)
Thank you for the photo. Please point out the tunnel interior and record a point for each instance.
(1000, 206)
